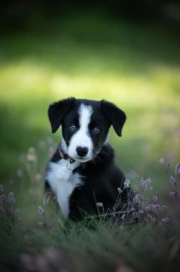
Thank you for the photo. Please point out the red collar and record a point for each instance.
(65, 156)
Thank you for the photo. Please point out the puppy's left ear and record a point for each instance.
(116, 116)
(58, 110)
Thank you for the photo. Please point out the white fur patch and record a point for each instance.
(82, 138)
(63, 182)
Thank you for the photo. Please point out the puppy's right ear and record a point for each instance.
(58, 110)
(116, 116)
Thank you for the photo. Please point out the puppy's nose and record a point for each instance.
(82, 151)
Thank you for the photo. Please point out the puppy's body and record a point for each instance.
(82, 170)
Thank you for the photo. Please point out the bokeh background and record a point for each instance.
(127, 52)
(124, 51)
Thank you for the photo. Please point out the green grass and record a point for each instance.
(134, 66)
(90, 56)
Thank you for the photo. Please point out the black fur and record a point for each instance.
(100, 185)
(57, 111)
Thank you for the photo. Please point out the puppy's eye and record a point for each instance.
(96, 130)
(72, 128)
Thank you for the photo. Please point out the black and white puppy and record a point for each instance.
(82, 172)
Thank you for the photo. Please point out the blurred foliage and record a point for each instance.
(92, 55)
(22, 14)
(123, 51)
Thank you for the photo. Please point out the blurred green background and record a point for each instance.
(127, 53)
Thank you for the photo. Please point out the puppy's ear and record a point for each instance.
(58, 110)
(115, 115)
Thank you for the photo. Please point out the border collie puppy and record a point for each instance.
(82, 172)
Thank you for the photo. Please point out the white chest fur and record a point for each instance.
(63, 182)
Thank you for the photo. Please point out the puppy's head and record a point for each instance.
(85, 125)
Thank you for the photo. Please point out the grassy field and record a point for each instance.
(135, 66)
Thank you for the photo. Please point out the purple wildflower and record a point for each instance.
(177, 168)
(2, 198)
(135, 215)
(153, 206)
(172, 181)
(140, 211)
(41, 211)
(41, 224)
(165, 220)
(137, 199)
(147, 208)
(164, 208)
(46, 198)
(161, 160)
(174, 194)
(155, 198)
(11, 198)
(145, 183)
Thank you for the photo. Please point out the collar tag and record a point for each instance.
(72, 160)
(70, 166)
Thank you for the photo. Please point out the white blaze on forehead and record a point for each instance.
(85, 113)
(82, 138)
